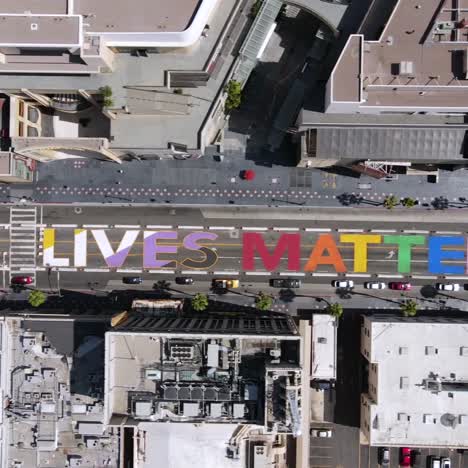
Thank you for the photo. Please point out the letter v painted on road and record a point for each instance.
(114, 259)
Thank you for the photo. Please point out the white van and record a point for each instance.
(434, 462)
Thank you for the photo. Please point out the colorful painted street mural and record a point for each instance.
(256, 254)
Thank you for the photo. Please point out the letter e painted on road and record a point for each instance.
(437, 255)
(253, 243)
(325, 243)
(151, 249)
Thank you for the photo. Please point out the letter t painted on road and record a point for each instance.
(360, 242)
(404, 244)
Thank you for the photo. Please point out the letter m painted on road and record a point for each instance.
(254, 245)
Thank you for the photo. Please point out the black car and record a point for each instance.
(132, 280)
(184, 280)
(383, 456)
(415, 458)
(285, 283)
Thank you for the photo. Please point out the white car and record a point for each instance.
(343, 284)
(374, 285)
(455, 287)
(321, 432)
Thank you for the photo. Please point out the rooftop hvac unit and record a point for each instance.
(182, 352)
(275, 353)
(405, 68)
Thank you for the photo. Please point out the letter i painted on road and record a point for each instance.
(49, 250)
(81, 247)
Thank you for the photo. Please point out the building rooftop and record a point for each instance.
(421, 380)
(324, 329)
(418, 62)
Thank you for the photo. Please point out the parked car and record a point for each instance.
(321, 385)
(416, 458)
(405, 456)
(455, 287)
(383, 457)
(433, 462)
(445, 462)
(343, 283)
(375, 285)
(321, 432)
(399, 286)
(24, 279)
(286, 283)
(184, 280)
(225, 283)
(132, 280)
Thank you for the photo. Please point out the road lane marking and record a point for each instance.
(98, 226)
(64, 225)
(285, 229)
(389, 276)
(97, 270)
(324, 274)
(127, 226)
(250, 228)
(258, 273)
(448, 232)
(228, 272)
(194, 272)
(383, 230)
(128, 270)
(221, 228)
(453, 278)
(317, 229)
(158, 226)
(292, 273)
(358, 275)
(424, 277)
(189, 227)
(415, 231)
(163, 272)
(350, 230)
(67, 269)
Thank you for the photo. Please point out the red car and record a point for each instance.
(405, 456)
(21, 280)
(400, 286)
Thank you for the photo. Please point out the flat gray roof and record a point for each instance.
(40, 30)
(391, 143)
(137, 15)
(21, 7)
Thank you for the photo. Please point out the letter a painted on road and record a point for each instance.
(253, 243)
(325, 243)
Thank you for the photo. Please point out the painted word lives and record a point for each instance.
(256, 255)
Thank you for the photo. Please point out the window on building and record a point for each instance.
(431, 350)
(464, 351)
(403, 350)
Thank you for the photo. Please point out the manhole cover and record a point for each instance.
(78, 210)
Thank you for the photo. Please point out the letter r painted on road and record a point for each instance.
(404, 244)
(48, 245)
(253, 243)
(437, 255)
(360, 242)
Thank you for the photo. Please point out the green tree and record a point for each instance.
(390, 202)
(408, 202)
(263, 301)
(37, 298)
(335, 310)
(199, 302)
(106, 92)
(234, 95)
(409, 308)
(256, 7)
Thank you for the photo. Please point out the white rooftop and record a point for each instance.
(323, 347)
(409, 353)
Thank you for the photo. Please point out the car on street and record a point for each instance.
(445, 462)
(343, 283)
(24, 279)
(225, 283)
(433, 461)
(399, 286)
(321, 385)
(286, 283)
(132, 280)
(405, 456)
(415, 458)
(374, 285)
(321, 432)
(184, 280)
(383, 456)
(455, 287)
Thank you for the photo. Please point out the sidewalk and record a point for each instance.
(207, 182)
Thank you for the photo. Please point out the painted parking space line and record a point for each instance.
(127, 226)
(194, 272)
(250, 228)
(158, 226)
(190, 227)
(317, 229)
(64, 225)
(221, 228)
(227, 272)
(257, 273)
(293, 273)
(97, 226)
